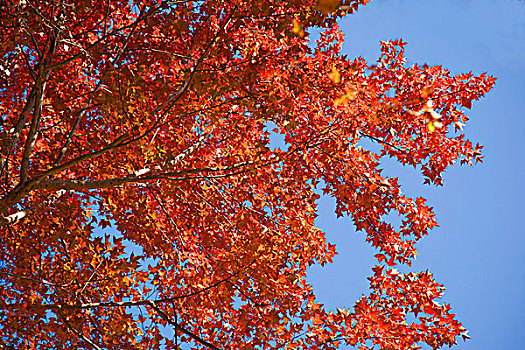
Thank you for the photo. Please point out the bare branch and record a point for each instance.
(46, 20)
(177, 326)
(106, 15)
(35, 125)
(134, 178)
(138, 302)
(40, 56)
(80, 335)
(189, 150)
(30, 279)
(380, 141)
(104, 37)
(64, 148)
(18, 216)
(20, 125)
(40, 86)
(29, 68)
(25, 186)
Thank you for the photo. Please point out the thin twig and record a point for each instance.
(179, 327)
(137, 302)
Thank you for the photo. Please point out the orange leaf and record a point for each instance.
(328, 6)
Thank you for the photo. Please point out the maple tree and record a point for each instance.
(140, 192)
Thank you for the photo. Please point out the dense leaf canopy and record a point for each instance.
(143, 206)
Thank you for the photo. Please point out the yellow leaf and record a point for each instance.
(351, 93)
(437, 124)
(334, 75)
(340, 101)
(425, 92)
(297, 28)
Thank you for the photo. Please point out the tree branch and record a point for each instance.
(25, 186)
(133, 178)
(35, 125)
(64, 148)
(30, 279)
(138, 302)
(80, 335)
(380, 141)
(104, 37)
(21, 123)
(18, 216)
(43, 75)
(177, 326)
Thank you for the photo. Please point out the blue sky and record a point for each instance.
(478, 251)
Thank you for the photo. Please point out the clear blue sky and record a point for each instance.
(478, 251)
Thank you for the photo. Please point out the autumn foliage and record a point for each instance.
(143, 206)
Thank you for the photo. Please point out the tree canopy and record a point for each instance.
(143, 206)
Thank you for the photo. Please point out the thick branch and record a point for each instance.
(25, 186)
(19, 126)
(43, 75)
(33, 131)
(18, 216)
